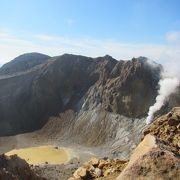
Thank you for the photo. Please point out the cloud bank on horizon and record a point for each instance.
(12, 45)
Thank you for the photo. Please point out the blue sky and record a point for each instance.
(121, 28)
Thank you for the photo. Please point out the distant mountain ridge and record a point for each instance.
(23, 63)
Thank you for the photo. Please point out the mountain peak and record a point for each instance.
(23, 62)
(29, 56)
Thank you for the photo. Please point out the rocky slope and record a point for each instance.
(152, 159)
(156, 157)
(101, 131)
(167, 128)
(79, 83)
(13, 168)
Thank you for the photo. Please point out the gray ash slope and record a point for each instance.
(83, 100)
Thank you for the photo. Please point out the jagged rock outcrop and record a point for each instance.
(14, 168)
(123, 85)
(99, 169)
(167, 128)
(79, 83)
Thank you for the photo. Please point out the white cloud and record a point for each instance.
(173, 37)
(44, 37)
(14, 45)
(3, 34)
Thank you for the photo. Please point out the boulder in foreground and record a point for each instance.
(15, 168)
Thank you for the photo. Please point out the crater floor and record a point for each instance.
(42, 155)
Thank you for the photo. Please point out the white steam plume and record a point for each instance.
(168, 85)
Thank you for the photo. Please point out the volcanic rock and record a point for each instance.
(16, 168)
(94, 161)
(110, 169)
(97, 172)
(152, 160)
(167, 128)
(81, 173)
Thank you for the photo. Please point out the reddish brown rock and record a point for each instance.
(168, 130)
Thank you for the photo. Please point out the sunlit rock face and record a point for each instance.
(151, 159)
(167, 128)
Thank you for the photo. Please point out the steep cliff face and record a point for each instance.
(127, 88)
(79, 83)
